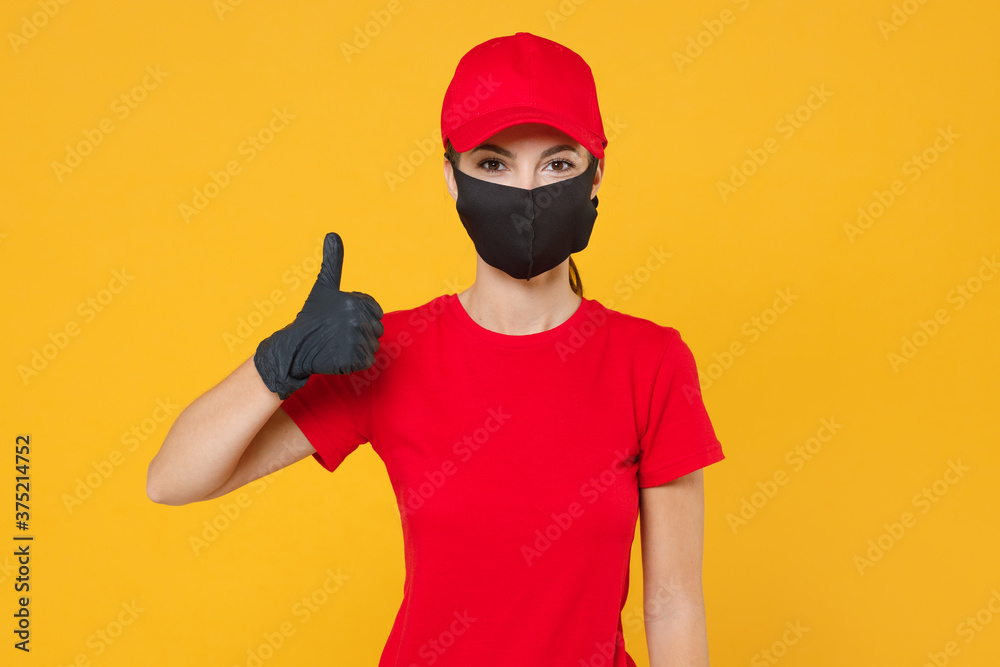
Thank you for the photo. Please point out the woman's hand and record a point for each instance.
(334, 333)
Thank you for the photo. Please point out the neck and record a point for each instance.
(499, 303)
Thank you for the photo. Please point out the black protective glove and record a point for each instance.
(334, 333)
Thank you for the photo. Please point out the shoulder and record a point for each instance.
(402, 322)
(640, 331)
(651, 346)
(433, 307)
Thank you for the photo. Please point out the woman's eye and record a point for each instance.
(566, 165)
(496, 165)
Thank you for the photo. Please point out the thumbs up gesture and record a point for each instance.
(334, 333)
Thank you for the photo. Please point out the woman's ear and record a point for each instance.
(598, 176)
(449, 179)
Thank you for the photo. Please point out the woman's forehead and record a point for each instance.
(536, 134)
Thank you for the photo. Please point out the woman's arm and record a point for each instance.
(672, 520)
(231, 435)
(235, 432)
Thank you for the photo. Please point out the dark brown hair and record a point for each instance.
(575, 282)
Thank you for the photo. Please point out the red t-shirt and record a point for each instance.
(516, 463)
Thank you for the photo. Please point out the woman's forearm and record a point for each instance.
(678, 637)
(206, 442)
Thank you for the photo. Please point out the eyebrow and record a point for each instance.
(506, 153)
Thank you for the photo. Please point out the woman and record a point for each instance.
(522, 425)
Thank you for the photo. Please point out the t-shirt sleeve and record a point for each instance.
(679, 437)
(334, 413)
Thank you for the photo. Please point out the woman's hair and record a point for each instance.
(575, 282)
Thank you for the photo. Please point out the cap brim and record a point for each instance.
(481, 128)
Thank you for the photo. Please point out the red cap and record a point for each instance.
(521, 78)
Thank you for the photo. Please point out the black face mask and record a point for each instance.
(527, 232)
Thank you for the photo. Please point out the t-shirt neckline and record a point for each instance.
(508, 340)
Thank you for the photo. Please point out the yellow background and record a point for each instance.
(676, 131)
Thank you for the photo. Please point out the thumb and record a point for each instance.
(333, 261)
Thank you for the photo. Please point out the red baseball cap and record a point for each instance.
(521, 78)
